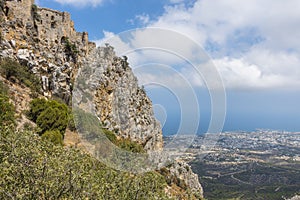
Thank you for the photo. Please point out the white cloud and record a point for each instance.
(277, 21)
(194, 78)
(256, 42)
(253, 43)
(154, 45)
(114, 40)
(144, 18)
(239, 74)
(140, 19)
(121, 47)
(79, 3)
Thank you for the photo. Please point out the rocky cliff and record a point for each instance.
(46, 42)
(122, 106)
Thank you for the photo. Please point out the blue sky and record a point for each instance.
(253, 44)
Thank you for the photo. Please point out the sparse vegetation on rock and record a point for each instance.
(71, 49)
(7, 111)
(90, 124)
(35, 14)
(16, 72)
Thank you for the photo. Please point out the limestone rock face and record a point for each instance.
(44, 40)
(184, 172)
(122, 106)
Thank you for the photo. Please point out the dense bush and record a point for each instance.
(87, 124)
(32, 168)
(13, 71)
(49, 115)
(36, 107)
(53, 136)
(7, 114)
(3, 89)
(7, 110)
(53, 118)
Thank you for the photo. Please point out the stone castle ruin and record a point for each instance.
(50, 26)
(46, 41)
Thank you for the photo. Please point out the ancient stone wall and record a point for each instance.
(53, 27)
(45, 40)
(22, 7)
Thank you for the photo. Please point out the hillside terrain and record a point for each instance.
(262, 164)
(41, 154)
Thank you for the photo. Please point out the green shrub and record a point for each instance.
(87, 124)
(53, 118)
(7, 110)
(12, 70)
(29, 127)
(9, 68)
(71, 123)
(3, 89)
(110, 135)
(131, 146)
(49, 115)
(36, 107)
(71, 49)
(53, 136)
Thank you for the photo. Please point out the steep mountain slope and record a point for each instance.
(46, 43)
(122, 106)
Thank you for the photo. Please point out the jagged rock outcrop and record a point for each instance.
(184, 172)
(180, 175)
(44, 40)
(122, 106)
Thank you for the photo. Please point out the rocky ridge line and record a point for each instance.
(46, 42)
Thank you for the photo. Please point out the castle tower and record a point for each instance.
(19, 9)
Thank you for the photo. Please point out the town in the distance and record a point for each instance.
(263, 164)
